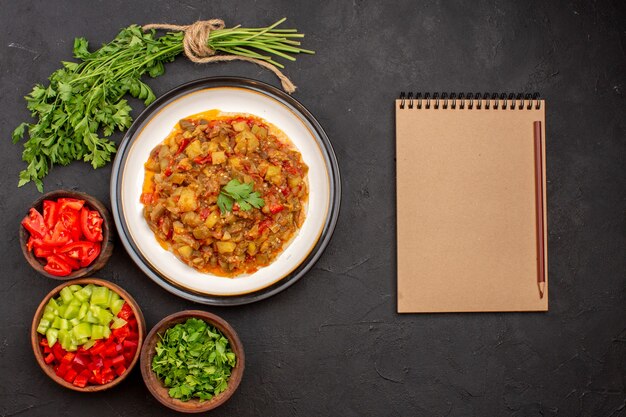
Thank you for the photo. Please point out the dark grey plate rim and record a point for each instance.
(329, 157)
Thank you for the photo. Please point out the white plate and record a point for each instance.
(230, 96)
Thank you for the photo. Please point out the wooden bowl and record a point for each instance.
(106, 248)
(35, 338)
(156, 387)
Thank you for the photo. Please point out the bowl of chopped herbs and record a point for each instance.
(192, 361)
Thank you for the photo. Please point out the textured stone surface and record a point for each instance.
(332, 344)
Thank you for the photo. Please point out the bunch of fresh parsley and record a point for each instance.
(83, 104)
(240, 193)
(194, 360)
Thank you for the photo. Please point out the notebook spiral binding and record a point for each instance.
(472, 101)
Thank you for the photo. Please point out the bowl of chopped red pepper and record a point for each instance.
(87, 334)
(66, 235)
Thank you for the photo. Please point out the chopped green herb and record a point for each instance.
(194, 360)
(240, 193)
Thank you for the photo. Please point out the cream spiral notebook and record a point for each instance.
(470, 196)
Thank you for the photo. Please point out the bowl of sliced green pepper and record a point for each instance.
(87, 334)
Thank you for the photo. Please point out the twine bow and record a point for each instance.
(197, 50)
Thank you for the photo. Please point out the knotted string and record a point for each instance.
(195, 44)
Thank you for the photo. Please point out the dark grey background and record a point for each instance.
(332, 344)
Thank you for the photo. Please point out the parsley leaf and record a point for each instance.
(242, 194)
(225, 202)
(237, 190)
(194, 360)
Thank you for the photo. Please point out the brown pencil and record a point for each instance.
(541, 276)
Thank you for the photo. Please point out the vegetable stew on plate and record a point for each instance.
(225, 193)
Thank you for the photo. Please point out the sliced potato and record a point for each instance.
(185, 251)
(294, 181)
(194, 149)
(226, 247)
(272, 171)
(240, 126)
(218, 158)
(188, 200)
(212, 219)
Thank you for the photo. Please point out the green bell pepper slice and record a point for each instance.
(82, 330)
(91, 318)
(82, 295)
(43, 326)
(100, 296)
(84, 308)
(66, 295)
(52, 335)
(97, 332)
(116, 306)
(118, 322)
(72, 311)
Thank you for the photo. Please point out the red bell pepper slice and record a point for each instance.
(182, 146)
(146, 198)
(129, 345)
(125, 312)
(113, 350)
(58, 351)
(57, 266)
(50, 213)
(107, 375)
(81, 380)
(80, 361)
(121, 334)
(276, 208)
(95, 377)
(120, 370)
(203, 160)
(67, 358)
(118, 360)
(62, 370)
(49, 358)
(132, 323)
(91, 224)
(129, 357)
(70, 375)
(265, 224)
(96, 363)
(34, 223)
(97, 348)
